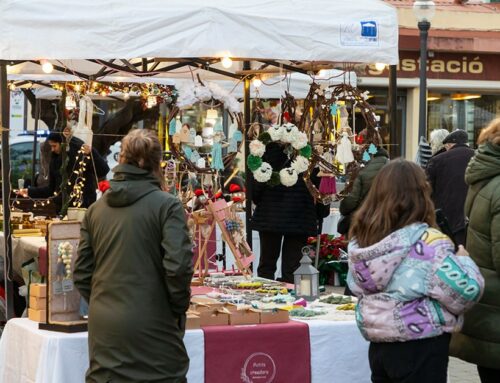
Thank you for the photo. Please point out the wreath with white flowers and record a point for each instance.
(296, 143)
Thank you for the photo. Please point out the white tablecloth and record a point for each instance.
(23, 249)
(27, 355)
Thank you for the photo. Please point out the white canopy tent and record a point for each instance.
(317, 30)
(123, 40)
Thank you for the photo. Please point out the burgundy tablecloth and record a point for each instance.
(258, 354)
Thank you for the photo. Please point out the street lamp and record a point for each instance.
(424, 10)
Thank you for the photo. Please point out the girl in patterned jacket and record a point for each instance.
(412, 286)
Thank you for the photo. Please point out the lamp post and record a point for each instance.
(424, 11)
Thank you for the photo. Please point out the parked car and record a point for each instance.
(21, 157)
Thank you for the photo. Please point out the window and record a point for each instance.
(467, 111)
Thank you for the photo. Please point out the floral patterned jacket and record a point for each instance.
(411, 285)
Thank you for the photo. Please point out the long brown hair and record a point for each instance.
(490, 133)
(141, 148)
(399, 196)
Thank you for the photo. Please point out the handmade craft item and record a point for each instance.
(83, 129)
(344, 150)
(295, 145)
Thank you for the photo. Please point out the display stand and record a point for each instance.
(218, 213)
(243, 255)
(63, 299)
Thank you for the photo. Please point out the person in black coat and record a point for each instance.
(284, 217)
(55, 140)
(446, 174)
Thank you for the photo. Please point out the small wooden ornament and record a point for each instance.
(201, 163)
(198, 141)
(185, 134)
(176, 138)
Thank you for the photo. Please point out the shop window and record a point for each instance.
(466, 111)
(379, 99)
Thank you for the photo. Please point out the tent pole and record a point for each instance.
(35, 141)
(248, 173)
(4, 125)
(395, 133)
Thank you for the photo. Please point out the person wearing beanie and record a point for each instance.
(446, 173)
(56, 140)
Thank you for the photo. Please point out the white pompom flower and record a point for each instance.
(300, 164)
(288, 177)
(299, 140)
(264, 173)
(257, 148)
(276, 132)
(289, 132)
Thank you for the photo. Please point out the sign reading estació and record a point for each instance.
(445, 66)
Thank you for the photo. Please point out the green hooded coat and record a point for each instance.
(134, 268)
(479, 340)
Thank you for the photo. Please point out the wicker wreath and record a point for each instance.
(211, 94)
(321, 101)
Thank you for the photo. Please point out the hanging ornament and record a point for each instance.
(195, 156)
(238, 136)
(172, 127)
(344, 150)
(372, 149)
(187, 151)
(84, 128)
(366, 156)
(217, 162)
(233, 146)
(192, 135)
(198, 141)
(328, 184)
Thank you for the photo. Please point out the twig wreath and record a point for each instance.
(296, 146)
(323, 102)
(211, 94)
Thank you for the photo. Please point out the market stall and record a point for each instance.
(338, 354)
(161, 42)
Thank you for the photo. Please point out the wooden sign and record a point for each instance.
(63, 298)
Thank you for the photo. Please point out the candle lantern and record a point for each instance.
(306, 278)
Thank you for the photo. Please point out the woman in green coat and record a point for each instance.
(479, 341)
(134, 268)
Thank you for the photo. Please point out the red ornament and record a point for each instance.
(286, 116)
(103, 186)
(234, 188)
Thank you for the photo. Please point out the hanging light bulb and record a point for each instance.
(380, 66)
(126, 96)
(226, 62)
(77, 88)
(257, 82)
(322, 73)
(47, 67)
(152, 101)
(103, 93)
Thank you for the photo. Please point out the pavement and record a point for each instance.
(462, 372)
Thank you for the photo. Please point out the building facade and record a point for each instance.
(463, 71)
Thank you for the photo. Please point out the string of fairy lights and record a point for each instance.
(76, 194)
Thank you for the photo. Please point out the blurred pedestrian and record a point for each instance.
(96, 169)
(446, 173)
(479, 341)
